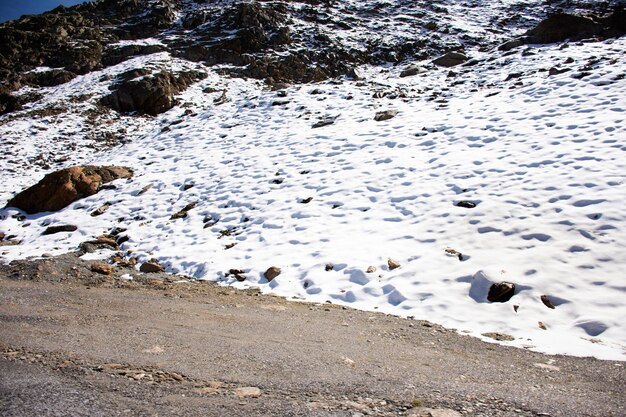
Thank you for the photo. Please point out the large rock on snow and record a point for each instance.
(149, 94)
(61, 188)
(451, 59)
(561, 27)
(485, 287)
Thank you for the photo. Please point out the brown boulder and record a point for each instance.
(101, 268)
(59, 189)
(151, 267)
(272, 272)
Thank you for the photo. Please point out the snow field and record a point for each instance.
(543, 162)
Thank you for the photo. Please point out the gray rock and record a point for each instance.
(451, 59)
(59, 229)
(385, 115)
(412, 70)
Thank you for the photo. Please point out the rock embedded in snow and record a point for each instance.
(466, 204)
(323, 122)
(501, 292)
(451, 59)
(59, 189)
(59, 229)
(412, 70)
(184, 211)
(385, 115)
(100, 210)
(150, 267)
(392, 264)
(501, 337)
(272, 272)
(370, 269)
(238, 274)
(547, 302)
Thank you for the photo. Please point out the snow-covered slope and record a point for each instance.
(534, 137)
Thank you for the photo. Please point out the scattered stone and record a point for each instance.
(151, 267)
(206, 390)
(144, 189)
(324, 122)
(59, 189)
(547, 366)
(183, 213)
(370, 269)
(329, 267)
(542, 326)
(451, 59)
(101, 268)
(59, 229)
(175, 376)
(466, 204)
(392, 264)
(547, 302)
(556, 71)
(501, 292)
(499, 336)
(385, 115)
(187, 186)
(306, 200)
(454, 252)
(248, 392)
(515, 307)
(434, 412)
(100, 210)
(272, 272)
(238, 274)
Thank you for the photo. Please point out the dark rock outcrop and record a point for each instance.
(149, 94)
(561, 27)
(451, 59)
(61, 188)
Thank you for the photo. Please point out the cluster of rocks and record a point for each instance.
(255, 39)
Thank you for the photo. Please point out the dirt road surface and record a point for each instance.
(78, 343)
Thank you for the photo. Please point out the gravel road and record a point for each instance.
(74, 343)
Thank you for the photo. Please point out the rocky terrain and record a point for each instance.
(456, 162)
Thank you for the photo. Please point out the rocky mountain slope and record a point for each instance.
(456, 161)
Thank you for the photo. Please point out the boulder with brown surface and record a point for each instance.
(61, 188)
